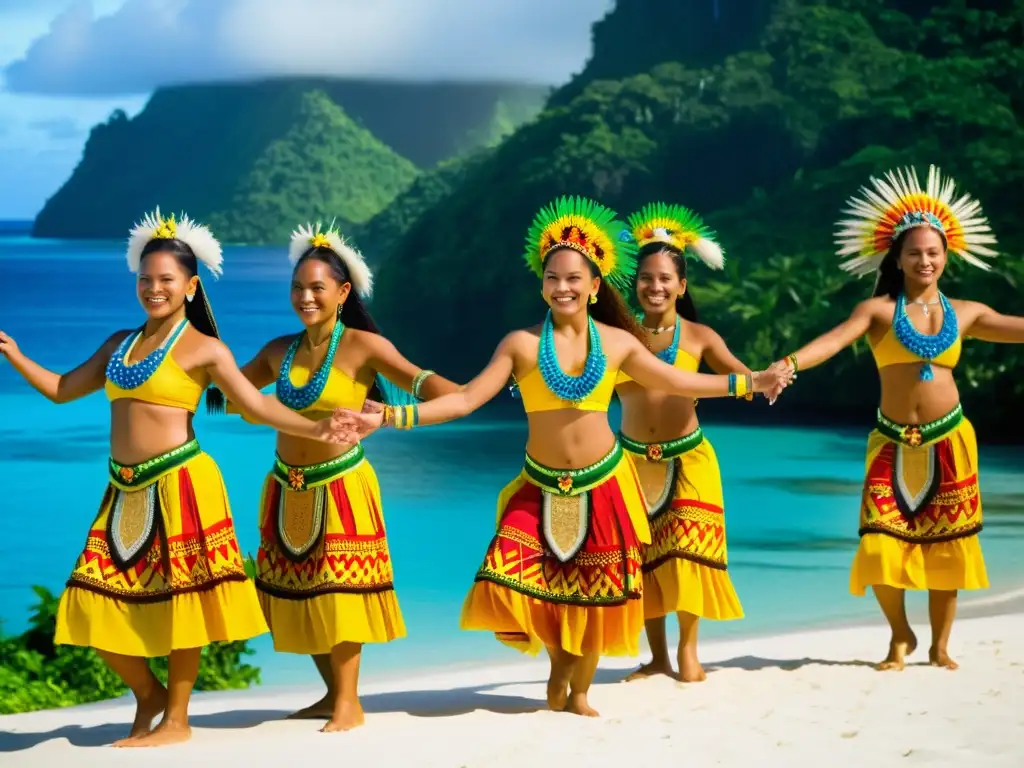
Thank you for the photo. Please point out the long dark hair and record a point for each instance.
(198, 312)
(890, 276)
(610, 309)
(353, 313)
(685, 307)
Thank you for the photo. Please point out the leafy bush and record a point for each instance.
(35, 674)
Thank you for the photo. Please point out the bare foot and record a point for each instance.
(578, 705)
(346, 716)
(941, 659)
(168, 732)
(558, 687)
(322, 710)
(899, 649)
(690, 669)
(650, 670)
(146, 711)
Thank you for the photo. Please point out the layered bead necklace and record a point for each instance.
(574, 389)
(300, 398)
(133, 375)
(925, 346)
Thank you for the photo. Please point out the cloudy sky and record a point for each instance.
(67, 64)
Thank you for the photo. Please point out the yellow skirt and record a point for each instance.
(685, 566)
(563, 570)
(161, 569)
(921, 511)
(323, 571)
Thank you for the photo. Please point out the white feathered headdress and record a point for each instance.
(308, 236)
(898, 203)
(197, 237)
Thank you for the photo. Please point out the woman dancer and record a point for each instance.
(920, 513)
(685, 564)
(323, 570)
(563, 570)
(161, 573)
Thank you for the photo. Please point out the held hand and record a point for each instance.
(330, 431)
(8, 347)
(372, 406)
(358, 424)
(772, 381)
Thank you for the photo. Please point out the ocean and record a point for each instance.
(791, 494)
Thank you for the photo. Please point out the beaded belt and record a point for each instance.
(136, 476)
(666, 450)
(572, 482)
(301, 478)
(915, 435)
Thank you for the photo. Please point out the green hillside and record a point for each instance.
(767, 140)
(255, 158)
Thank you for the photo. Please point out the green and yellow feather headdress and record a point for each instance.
(588, 228)
(679, 227)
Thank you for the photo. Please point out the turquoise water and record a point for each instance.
(791, 494)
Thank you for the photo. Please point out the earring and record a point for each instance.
(593, 298)
(189, 297)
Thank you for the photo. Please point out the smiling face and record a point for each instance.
(923, 257)
(163, 284)
(658, 284)
(317, 292)
(569, 282)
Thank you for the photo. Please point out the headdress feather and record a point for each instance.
(196, 236)
(897, 203)
(679, 227)
(588, 228)
(309, 236)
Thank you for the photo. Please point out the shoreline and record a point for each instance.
(791, 699)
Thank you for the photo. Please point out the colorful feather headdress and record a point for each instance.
(679, 227)
(587, 228)
(309, 236)
(197, 237)
(898, 203)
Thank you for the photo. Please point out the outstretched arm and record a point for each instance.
(650, 372)
(989, 325)
(488, 383)
(260, 408)
(87, 378)
(389, 362)
(828, 345)
(718, 355)
(260, 374)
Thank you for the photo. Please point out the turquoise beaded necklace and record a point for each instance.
(300, 398)
(574, 389)
(923, 345)
(668, 354)
(133, 375)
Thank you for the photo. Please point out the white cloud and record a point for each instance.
(148, 43)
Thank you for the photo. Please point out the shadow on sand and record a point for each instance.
(447, 703)
(444, 703)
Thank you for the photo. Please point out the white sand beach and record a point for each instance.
(800, 699)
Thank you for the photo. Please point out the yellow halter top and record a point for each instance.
(340, 391)
(168, 384)
(889, 351)
(684, 361)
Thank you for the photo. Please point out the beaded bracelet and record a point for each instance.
(417, 383)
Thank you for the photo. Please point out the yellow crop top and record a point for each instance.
(537, 397)
(156, 379)
(684, 361)
(889, 351)
(340, 391)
